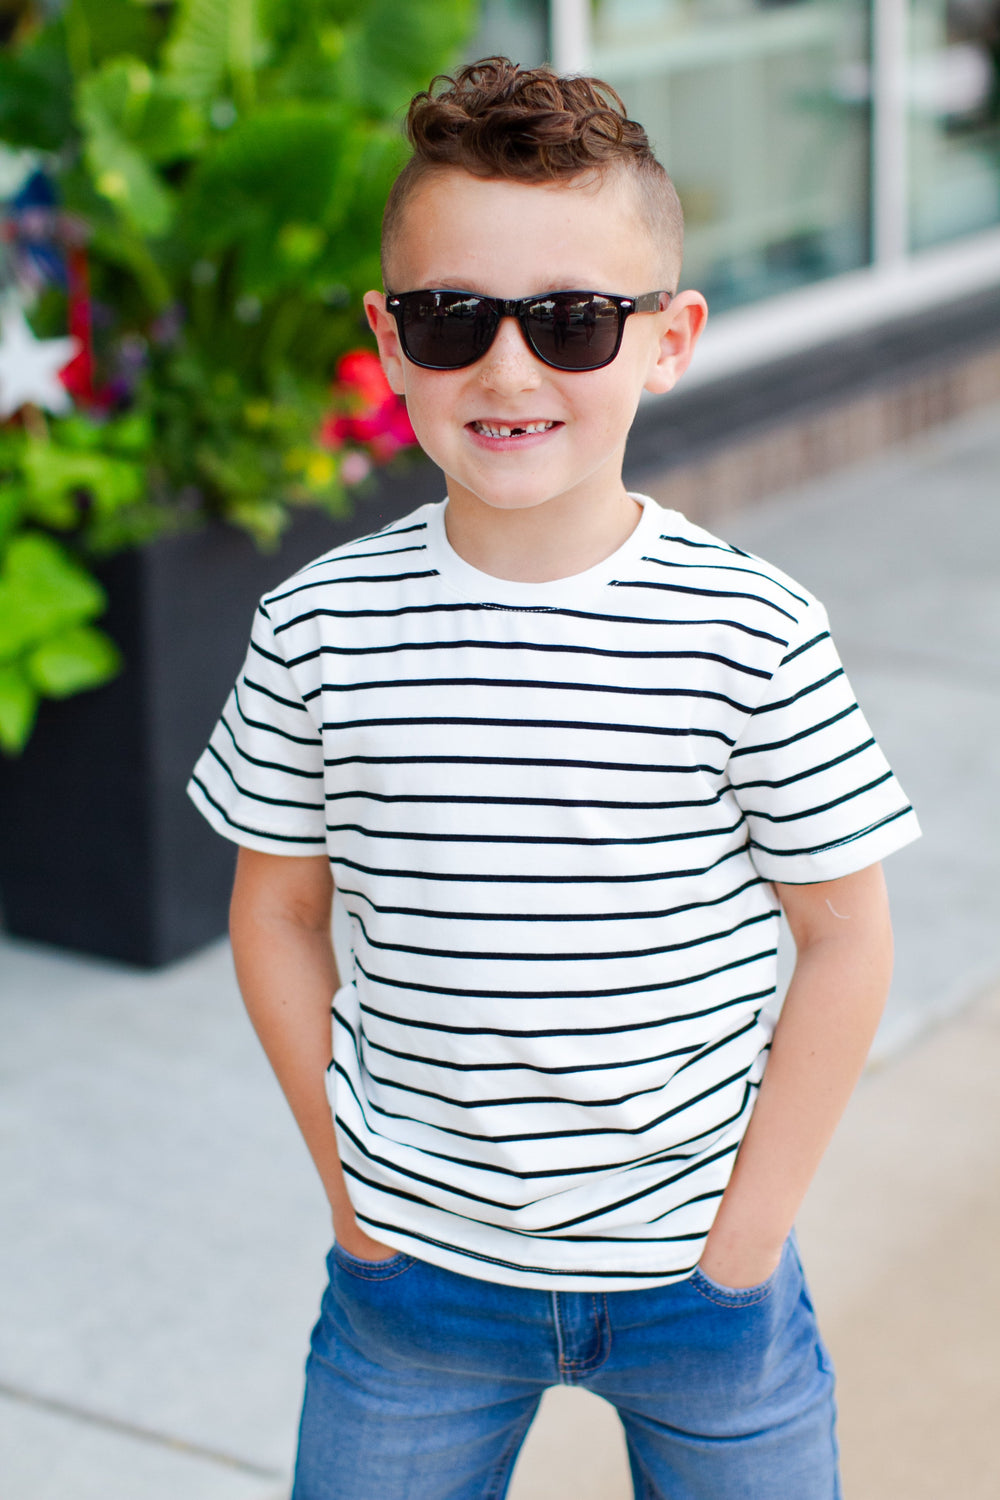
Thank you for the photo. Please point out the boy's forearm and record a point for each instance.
(823, 1035)
(287, 978)
(280, 932)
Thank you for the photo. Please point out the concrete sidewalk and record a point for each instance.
(162, 1250)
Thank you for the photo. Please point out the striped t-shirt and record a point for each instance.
(552, 812)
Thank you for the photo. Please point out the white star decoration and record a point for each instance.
(29, 367)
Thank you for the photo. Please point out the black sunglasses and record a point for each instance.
(442, 330)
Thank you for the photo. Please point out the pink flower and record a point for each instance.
(378, 418)
(354, 468)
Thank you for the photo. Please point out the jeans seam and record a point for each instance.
(502, 1468)
(599, 1303)
(565, 1365)
(361, 1271)
(573, 1369)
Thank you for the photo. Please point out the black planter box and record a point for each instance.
(100, 849)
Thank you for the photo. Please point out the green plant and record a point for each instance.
(208, 182)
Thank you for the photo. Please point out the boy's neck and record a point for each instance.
(556, 539)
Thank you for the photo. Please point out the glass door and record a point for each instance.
(761, 113)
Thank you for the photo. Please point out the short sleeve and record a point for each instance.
(818, 795)
(259, 782)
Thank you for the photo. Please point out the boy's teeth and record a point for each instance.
(501, 430)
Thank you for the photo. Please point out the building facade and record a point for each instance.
(838, 160)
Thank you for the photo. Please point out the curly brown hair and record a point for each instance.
(498, 120)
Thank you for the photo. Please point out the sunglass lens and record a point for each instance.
(446, 330)
(574, 333)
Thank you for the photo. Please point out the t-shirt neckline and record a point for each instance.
(471, 583)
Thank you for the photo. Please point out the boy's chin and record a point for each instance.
(515, 502)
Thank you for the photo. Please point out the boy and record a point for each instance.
(564, 754)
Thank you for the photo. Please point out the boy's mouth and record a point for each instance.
(511, 429)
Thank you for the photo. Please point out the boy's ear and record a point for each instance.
(383, 325)
(684, 319)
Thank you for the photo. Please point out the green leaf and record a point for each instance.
(73, 661)
(217, 44)
(265, 520)
(55, 476)
(43, 591)
(12, 505)
(394, 49)
(153, 117)
(18, 707)
(36, 95)
(120, 172)
(107, 28)
(130, 434)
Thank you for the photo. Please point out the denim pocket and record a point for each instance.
(735, 1296)
(371, 1270)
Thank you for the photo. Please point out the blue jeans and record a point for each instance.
(421, 1384)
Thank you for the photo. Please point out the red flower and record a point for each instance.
(378, 420)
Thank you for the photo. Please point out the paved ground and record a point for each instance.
(161, 1257)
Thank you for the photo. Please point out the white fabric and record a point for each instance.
(552, 812)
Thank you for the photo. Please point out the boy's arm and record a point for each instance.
(279, 923)
(843, 942)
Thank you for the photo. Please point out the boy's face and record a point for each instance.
(509, 239)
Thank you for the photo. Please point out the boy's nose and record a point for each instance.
(508, 363)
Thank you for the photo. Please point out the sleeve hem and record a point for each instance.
(841, 859)
(293, 846)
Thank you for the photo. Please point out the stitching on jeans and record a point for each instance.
(737, 1297)
(577, 1367)
(565, 1365)
(599, 1307)
(500, 1475)
(368, 1270)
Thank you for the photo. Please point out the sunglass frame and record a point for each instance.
(519, 308)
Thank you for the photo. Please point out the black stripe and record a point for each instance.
(268, 765)
(584, 725)
(522, 760)
(826, 765)
(680, 588)
(384, 534)
(454, 992)
(648, 1192)
(552, 647)
(427, 1061)
(464, 1252)
(813, 687)
(332, 583)
(581, 1135)
(496, 1169)
(428, 798)
(264, 833)
(574, 957)
(532, 684)
(536, 916)
(824, 635)
(257, 796)
(668, 562)
(258, 687)
(532, 838)
(491, 878)
(840, 843)
(313, 741)
(339, 557)
(809, 812)
(472, 607)
(508, 1101)
(794, 739)
(522, 1033)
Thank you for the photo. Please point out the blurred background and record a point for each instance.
(190, 408)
